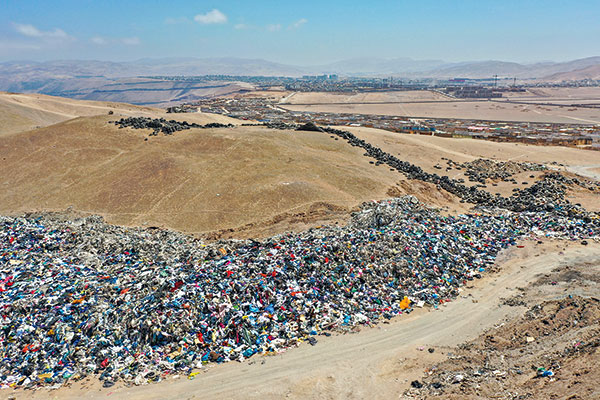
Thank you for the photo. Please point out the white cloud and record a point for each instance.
(103, 41)
(11, 45)
(212, 17)
(131, 41)
(274, 27)
(99, 40)
(31, 31)
(298, 23)
(240, 26)
(176, 21)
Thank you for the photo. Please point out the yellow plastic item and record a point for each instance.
(405, 303)
(192, 375)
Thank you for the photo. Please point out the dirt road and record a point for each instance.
(589, 171)
(375, 363)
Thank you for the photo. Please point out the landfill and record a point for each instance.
(82, 298)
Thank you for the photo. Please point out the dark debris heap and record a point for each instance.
(162, 125)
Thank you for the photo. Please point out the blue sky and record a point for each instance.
(300, 32)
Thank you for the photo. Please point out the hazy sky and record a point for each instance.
(300, 32)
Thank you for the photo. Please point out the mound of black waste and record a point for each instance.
(280, 125)
(482, 169)
(309, 126)
(162, 125)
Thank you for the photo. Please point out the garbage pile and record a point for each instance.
(162, 125)
(81, 297)
(309, 127)
(482, 169)
(547, 193)
(281, 125)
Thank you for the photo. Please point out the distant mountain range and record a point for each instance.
(30, 71)
(592, 72)
(485, 69)
(94, 79)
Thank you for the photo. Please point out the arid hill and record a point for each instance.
(253, 181)
(196, 180)
(591, 72)
(240, 181)
(21, 112)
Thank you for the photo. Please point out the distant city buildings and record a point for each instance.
(472, 92)
(247, 107)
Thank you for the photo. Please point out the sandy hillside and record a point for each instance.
(21, 112)
(238, 182)
(197, 180)
(592, 72)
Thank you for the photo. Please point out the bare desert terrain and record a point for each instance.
(427, 104)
